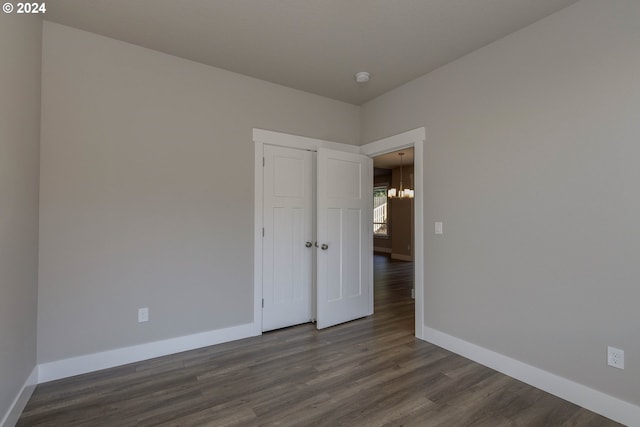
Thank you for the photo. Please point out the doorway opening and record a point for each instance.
(393, 231)
(403, 141)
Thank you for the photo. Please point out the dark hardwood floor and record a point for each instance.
(369, 372)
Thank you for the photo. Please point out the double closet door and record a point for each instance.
(317, 254)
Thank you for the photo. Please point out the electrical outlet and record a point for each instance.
(615, 357)
(143, 315)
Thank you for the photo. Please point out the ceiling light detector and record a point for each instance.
(362, 76)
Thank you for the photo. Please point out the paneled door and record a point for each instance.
(344, 256)
(288, 237)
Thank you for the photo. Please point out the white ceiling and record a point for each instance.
(312, 45)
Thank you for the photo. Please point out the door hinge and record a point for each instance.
(263, 162)
(262, 231)
(262, 302)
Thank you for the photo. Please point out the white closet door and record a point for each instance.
(288, 226)
(344, 218)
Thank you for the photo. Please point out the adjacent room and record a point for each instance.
(173, 174)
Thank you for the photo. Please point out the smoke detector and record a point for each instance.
(362, 76)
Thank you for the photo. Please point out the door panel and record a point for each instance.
(344, 212)
(353, 274)
(288, 225)
(344, 179)
(333, 275)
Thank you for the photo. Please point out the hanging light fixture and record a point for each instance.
(402, 193)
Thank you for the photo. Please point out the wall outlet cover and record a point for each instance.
(615, 357)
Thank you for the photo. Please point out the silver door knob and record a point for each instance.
(308, 244)
(324, 247)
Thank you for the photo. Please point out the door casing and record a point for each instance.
(414, 138)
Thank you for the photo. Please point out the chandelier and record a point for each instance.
(402, 193)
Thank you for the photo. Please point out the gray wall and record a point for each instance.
(531, 162)
(20, 53)
(147, 190)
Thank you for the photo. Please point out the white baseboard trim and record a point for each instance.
(13, 414)
(593, 400)
(382, 250)
(401, 257)
(51, 371)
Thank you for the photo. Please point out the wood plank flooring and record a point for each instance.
(369, 372)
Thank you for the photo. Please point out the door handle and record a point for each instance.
(308, 244)
(324, 247)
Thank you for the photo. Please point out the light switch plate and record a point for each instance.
(438, 229)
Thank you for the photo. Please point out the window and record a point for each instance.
(380, 211)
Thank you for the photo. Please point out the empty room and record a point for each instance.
(197, 226)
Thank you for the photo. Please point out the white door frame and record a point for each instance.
(414, 138)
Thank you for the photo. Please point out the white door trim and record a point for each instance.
(260, 138)
(414, 138)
